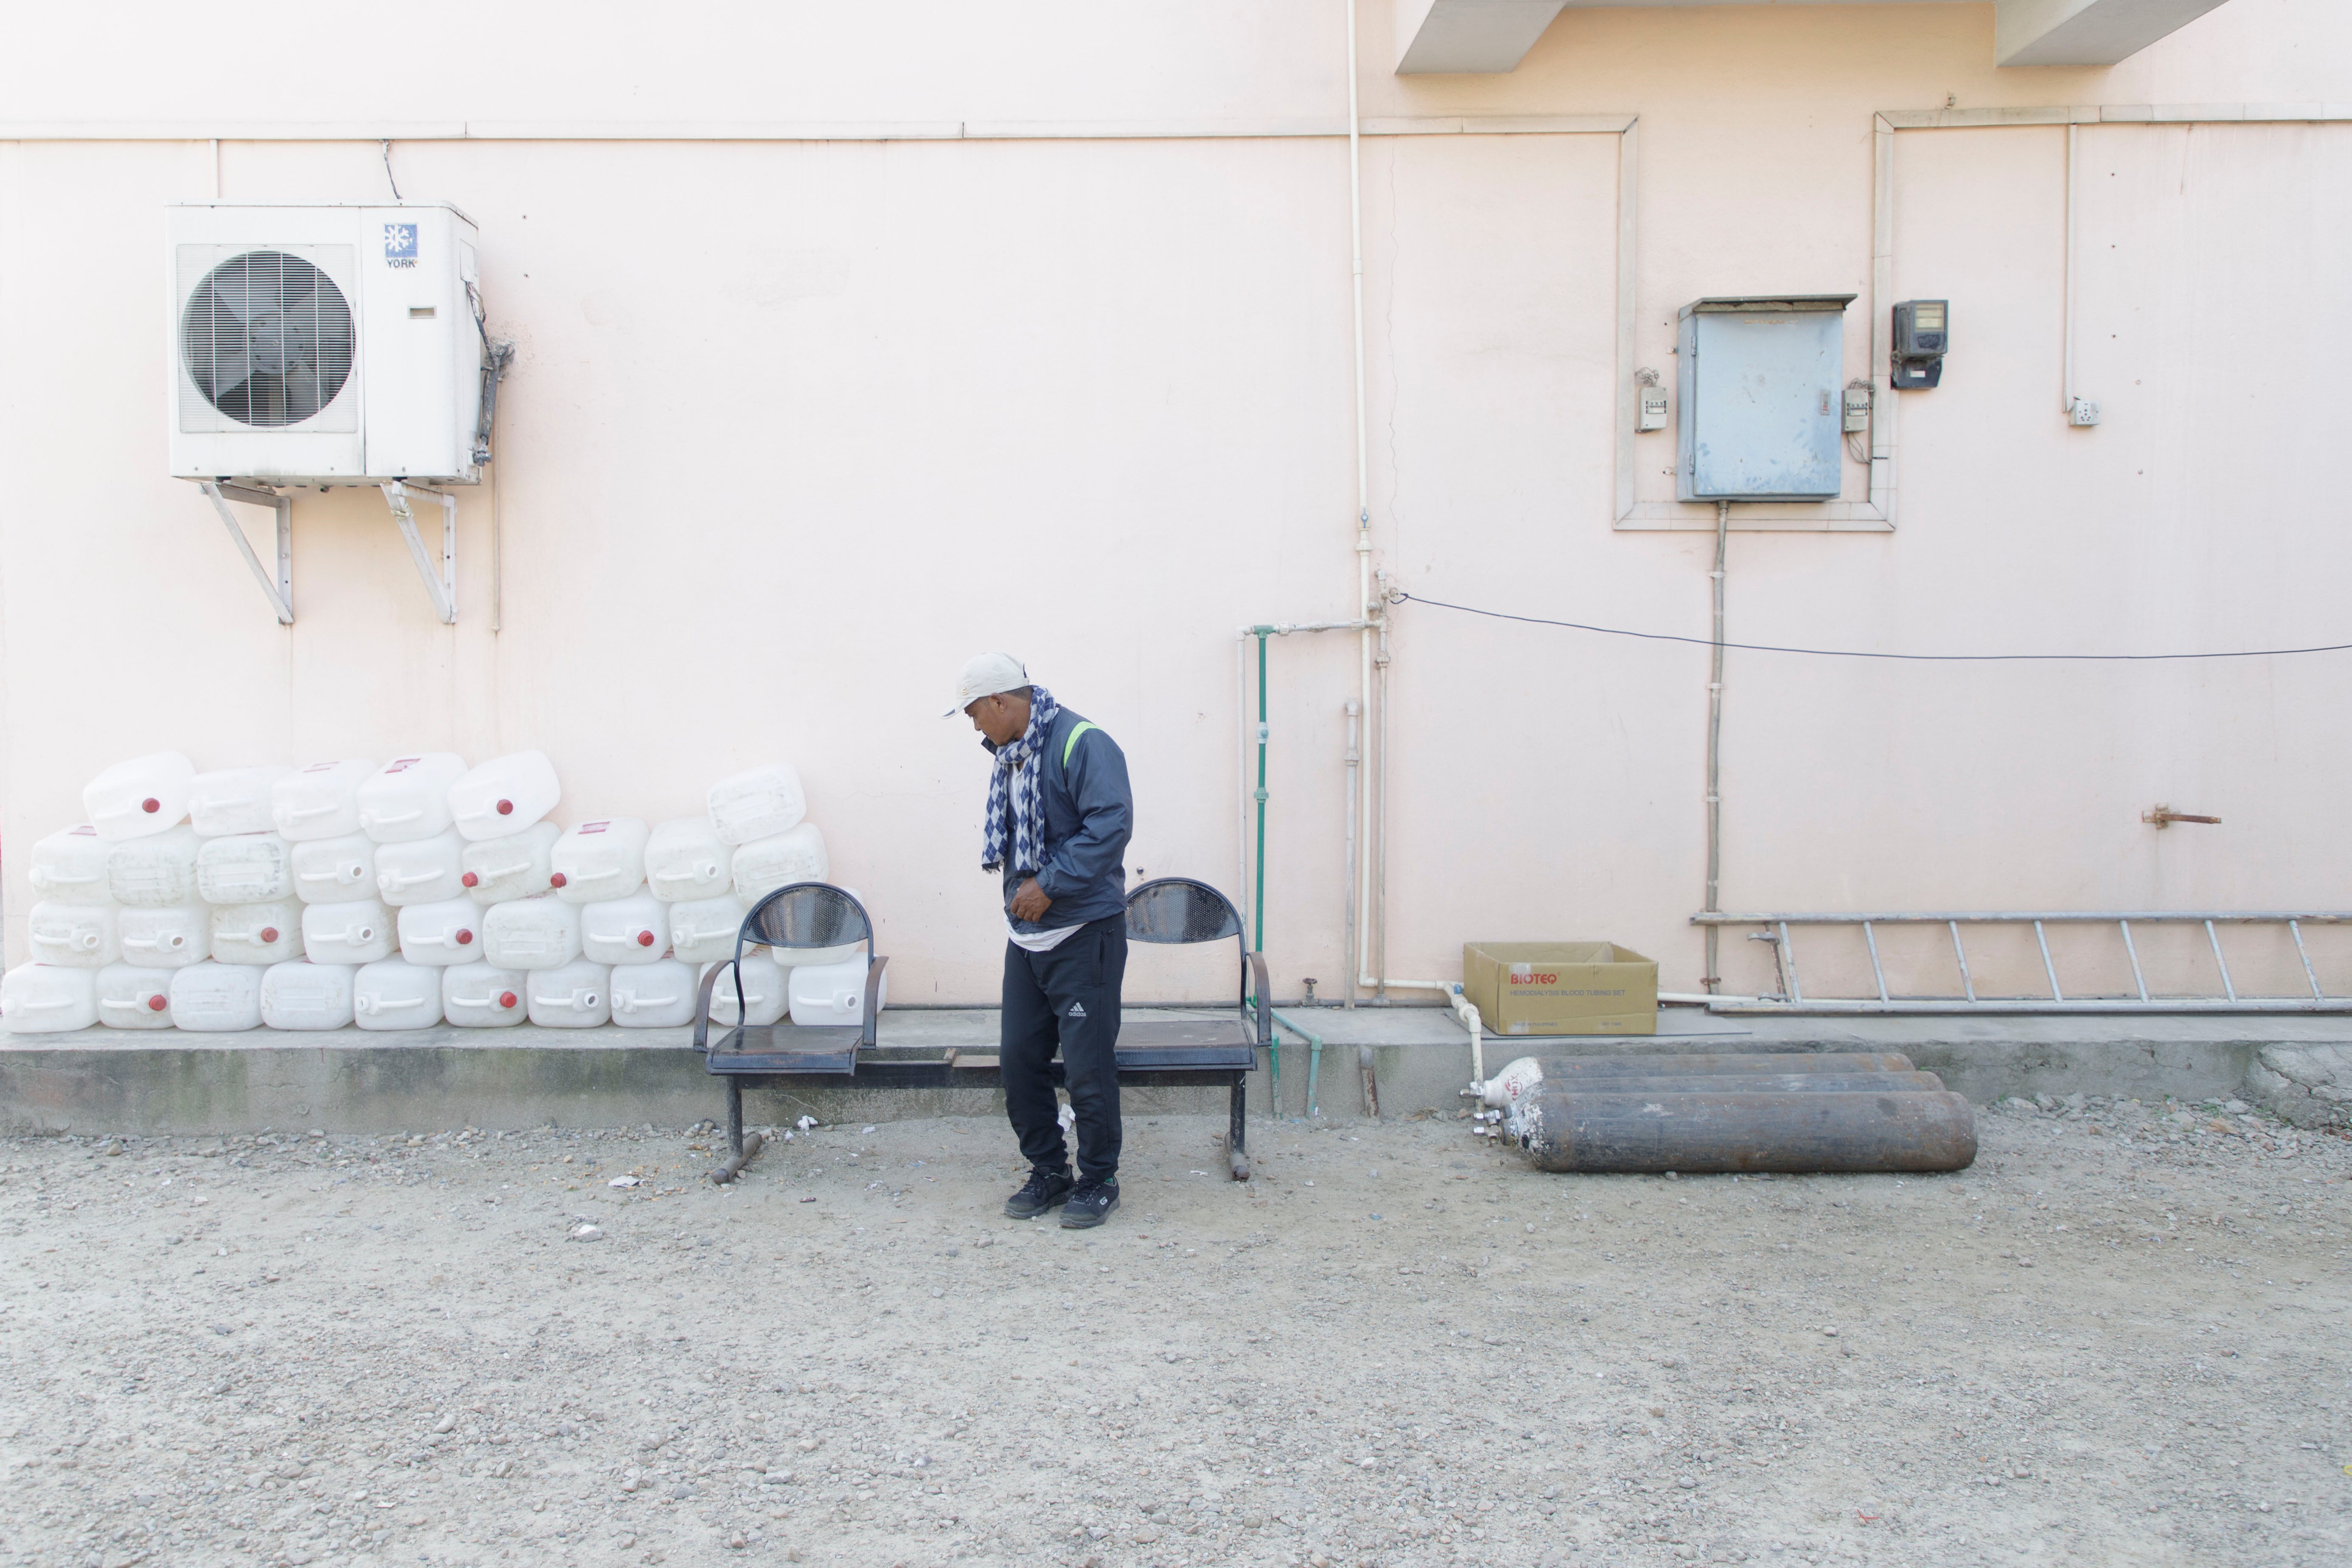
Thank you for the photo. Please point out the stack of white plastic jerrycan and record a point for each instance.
(411, 894)
(691, 868)
(597, 870)
(491, 855)
(195, 947)
(402, 854)
(73, 932)
(242, 913)
(763, 813)
(155, 937)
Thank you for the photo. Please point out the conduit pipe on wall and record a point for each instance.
(1711, 979)
(1252, 883)
(1371, 608)
(1354, 759)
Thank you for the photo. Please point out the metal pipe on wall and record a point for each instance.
(1711, 979)
(1243, 885)
(2066, 306)
(1358, 779)
(1252, 879)
(1380, 791)
(1354, 760)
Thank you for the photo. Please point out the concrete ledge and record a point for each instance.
(348, 1080)
(2309, 1085)
(354, 1081)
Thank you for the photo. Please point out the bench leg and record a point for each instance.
(1237, 1131)
(739, 1149)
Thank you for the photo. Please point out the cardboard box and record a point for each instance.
(1561, 987)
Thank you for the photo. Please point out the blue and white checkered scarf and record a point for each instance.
(1016, 793)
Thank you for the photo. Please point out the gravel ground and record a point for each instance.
(2120, 1338)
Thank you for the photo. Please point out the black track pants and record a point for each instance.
(1069, 998)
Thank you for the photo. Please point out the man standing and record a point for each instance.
(1059, 817)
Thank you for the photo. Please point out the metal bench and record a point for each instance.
(1211, 1051)
(1177, 910)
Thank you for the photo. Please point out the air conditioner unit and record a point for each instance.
(325, 344)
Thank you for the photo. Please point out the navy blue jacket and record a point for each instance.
(1089, 816)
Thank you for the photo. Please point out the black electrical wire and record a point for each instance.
(1858, 653)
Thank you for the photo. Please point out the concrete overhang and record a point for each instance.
(2085, 32)
(1488, 36)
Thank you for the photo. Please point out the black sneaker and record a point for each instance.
(1089, 1205)
(1043, 1191)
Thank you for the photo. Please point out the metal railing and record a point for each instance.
(1792, 998)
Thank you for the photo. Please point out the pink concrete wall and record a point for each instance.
(796, 426)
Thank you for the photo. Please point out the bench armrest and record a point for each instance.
(1265, 999)
(702, 1007)
(873, 997)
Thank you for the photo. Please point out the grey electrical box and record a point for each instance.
(1761, 387)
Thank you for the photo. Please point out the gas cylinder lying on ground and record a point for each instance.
(1757, 1083)
(1648, 1115)
(1657, 1065)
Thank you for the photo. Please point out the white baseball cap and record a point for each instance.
(985, 675)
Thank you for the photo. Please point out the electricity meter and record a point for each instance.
(1921, 337)
(1654, 401)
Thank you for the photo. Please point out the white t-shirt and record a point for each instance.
(1039, 941)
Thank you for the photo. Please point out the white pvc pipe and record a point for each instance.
(2066, 307)
(1360, 867)
(1354, 760)
(1372, 982)
(1467, 1012)
(1359, 801)
(1378, 829)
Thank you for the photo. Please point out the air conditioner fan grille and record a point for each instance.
(267, 339)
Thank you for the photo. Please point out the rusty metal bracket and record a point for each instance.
(2165, 816)
(1779, 959)
(280, 592)
(440, 586)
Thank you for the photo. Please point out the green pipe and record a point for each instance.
(1257, 883)
(1314, 1062)
(1258, 887)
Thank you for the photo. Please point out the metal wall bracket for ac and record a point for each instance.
(281, 591)
(442, 585)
